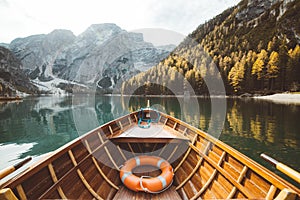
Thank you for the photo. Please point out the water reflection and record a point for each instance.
(45, 124)
(42, 122)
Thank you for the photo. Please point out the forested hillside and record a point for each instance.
(254, 45)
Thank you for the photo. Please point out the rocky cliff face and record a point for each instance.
(37, 53)
(12, 77)
(103, 55)
(251, 12)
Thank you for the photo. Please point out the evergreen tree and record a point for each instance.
(258, 67)
(283, 59)
(293, 68)
(236, 76)
(272, 68)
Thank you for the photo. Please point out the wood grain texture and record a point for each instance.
(87, 167)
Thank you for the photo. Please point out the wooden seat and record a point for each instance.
(125, 193)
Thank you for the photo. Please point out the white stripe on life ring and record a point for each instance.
(159, 162)
(163, 181)
(137, 161)
(125, 175)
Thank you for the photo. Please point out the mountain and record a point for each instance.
(37, 53)
(12, 78)
(254, 45)
(103, 55)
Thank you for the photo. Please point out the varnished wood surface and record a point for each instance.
(205, 168)
(126, 194)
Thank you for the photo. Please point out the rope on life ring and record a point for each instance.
(146, 183)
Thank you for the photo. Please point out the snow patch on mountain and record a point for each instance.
(52, 87)
(104, 55)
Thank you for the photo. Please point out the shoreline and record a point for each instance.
(288, 98)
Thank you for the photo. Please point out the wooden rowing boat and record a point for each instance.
(203, 167)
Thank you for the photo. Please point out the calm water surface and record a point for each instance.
(37, 126)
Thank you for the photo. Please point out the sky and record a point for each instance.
(21, 18)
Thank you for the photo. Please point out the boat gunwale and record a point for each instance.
(35, 167)
(265, 173)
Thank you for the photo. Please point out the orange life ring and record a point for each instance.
(146, 184)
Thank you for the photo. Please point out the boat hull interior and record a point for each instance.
(204, 168)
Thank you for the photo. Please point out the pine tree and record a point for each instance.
(259, 66)
(293, 68)
(236, 76)
(283, 59)
(272, 68)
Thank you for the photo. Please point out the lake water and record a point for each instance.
(37, 126)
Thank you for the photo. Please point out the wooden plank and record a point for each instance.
(171, 155)
(159, 119)
(255, 190)
(175, 125)
(130, 147)
(186, 154)
(205, 171)
(224, 182)
(231, 170)
(239, 180)
(99, 169)
(59, 183)
(212, 177)
(218, 189)
(38, 183)
(238, 166)
(217, 150)
(184, 132)
(197, 180)
(181, 175)
(125, 193)
(107, 152)
(121, 152)
(54, 178)
(111, 158)
(7, 194)
(121, 126)
(72, 157)
(271, 193)
(266, 177)
(146, 140)
(260, 170)
(103, 175)
(87, 185)
(100, 137)
(129, 119)
(163, 149)
(139, 147)
(225, 174)
(21, 192)
(195, 169)
(263, 185)
(154, 148)
(136, 119)
(166, 121)
(111, 131)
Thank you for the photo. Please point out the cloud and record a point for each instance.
(19, 18)
(4, 3)
(184, 16)
(159, 37)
